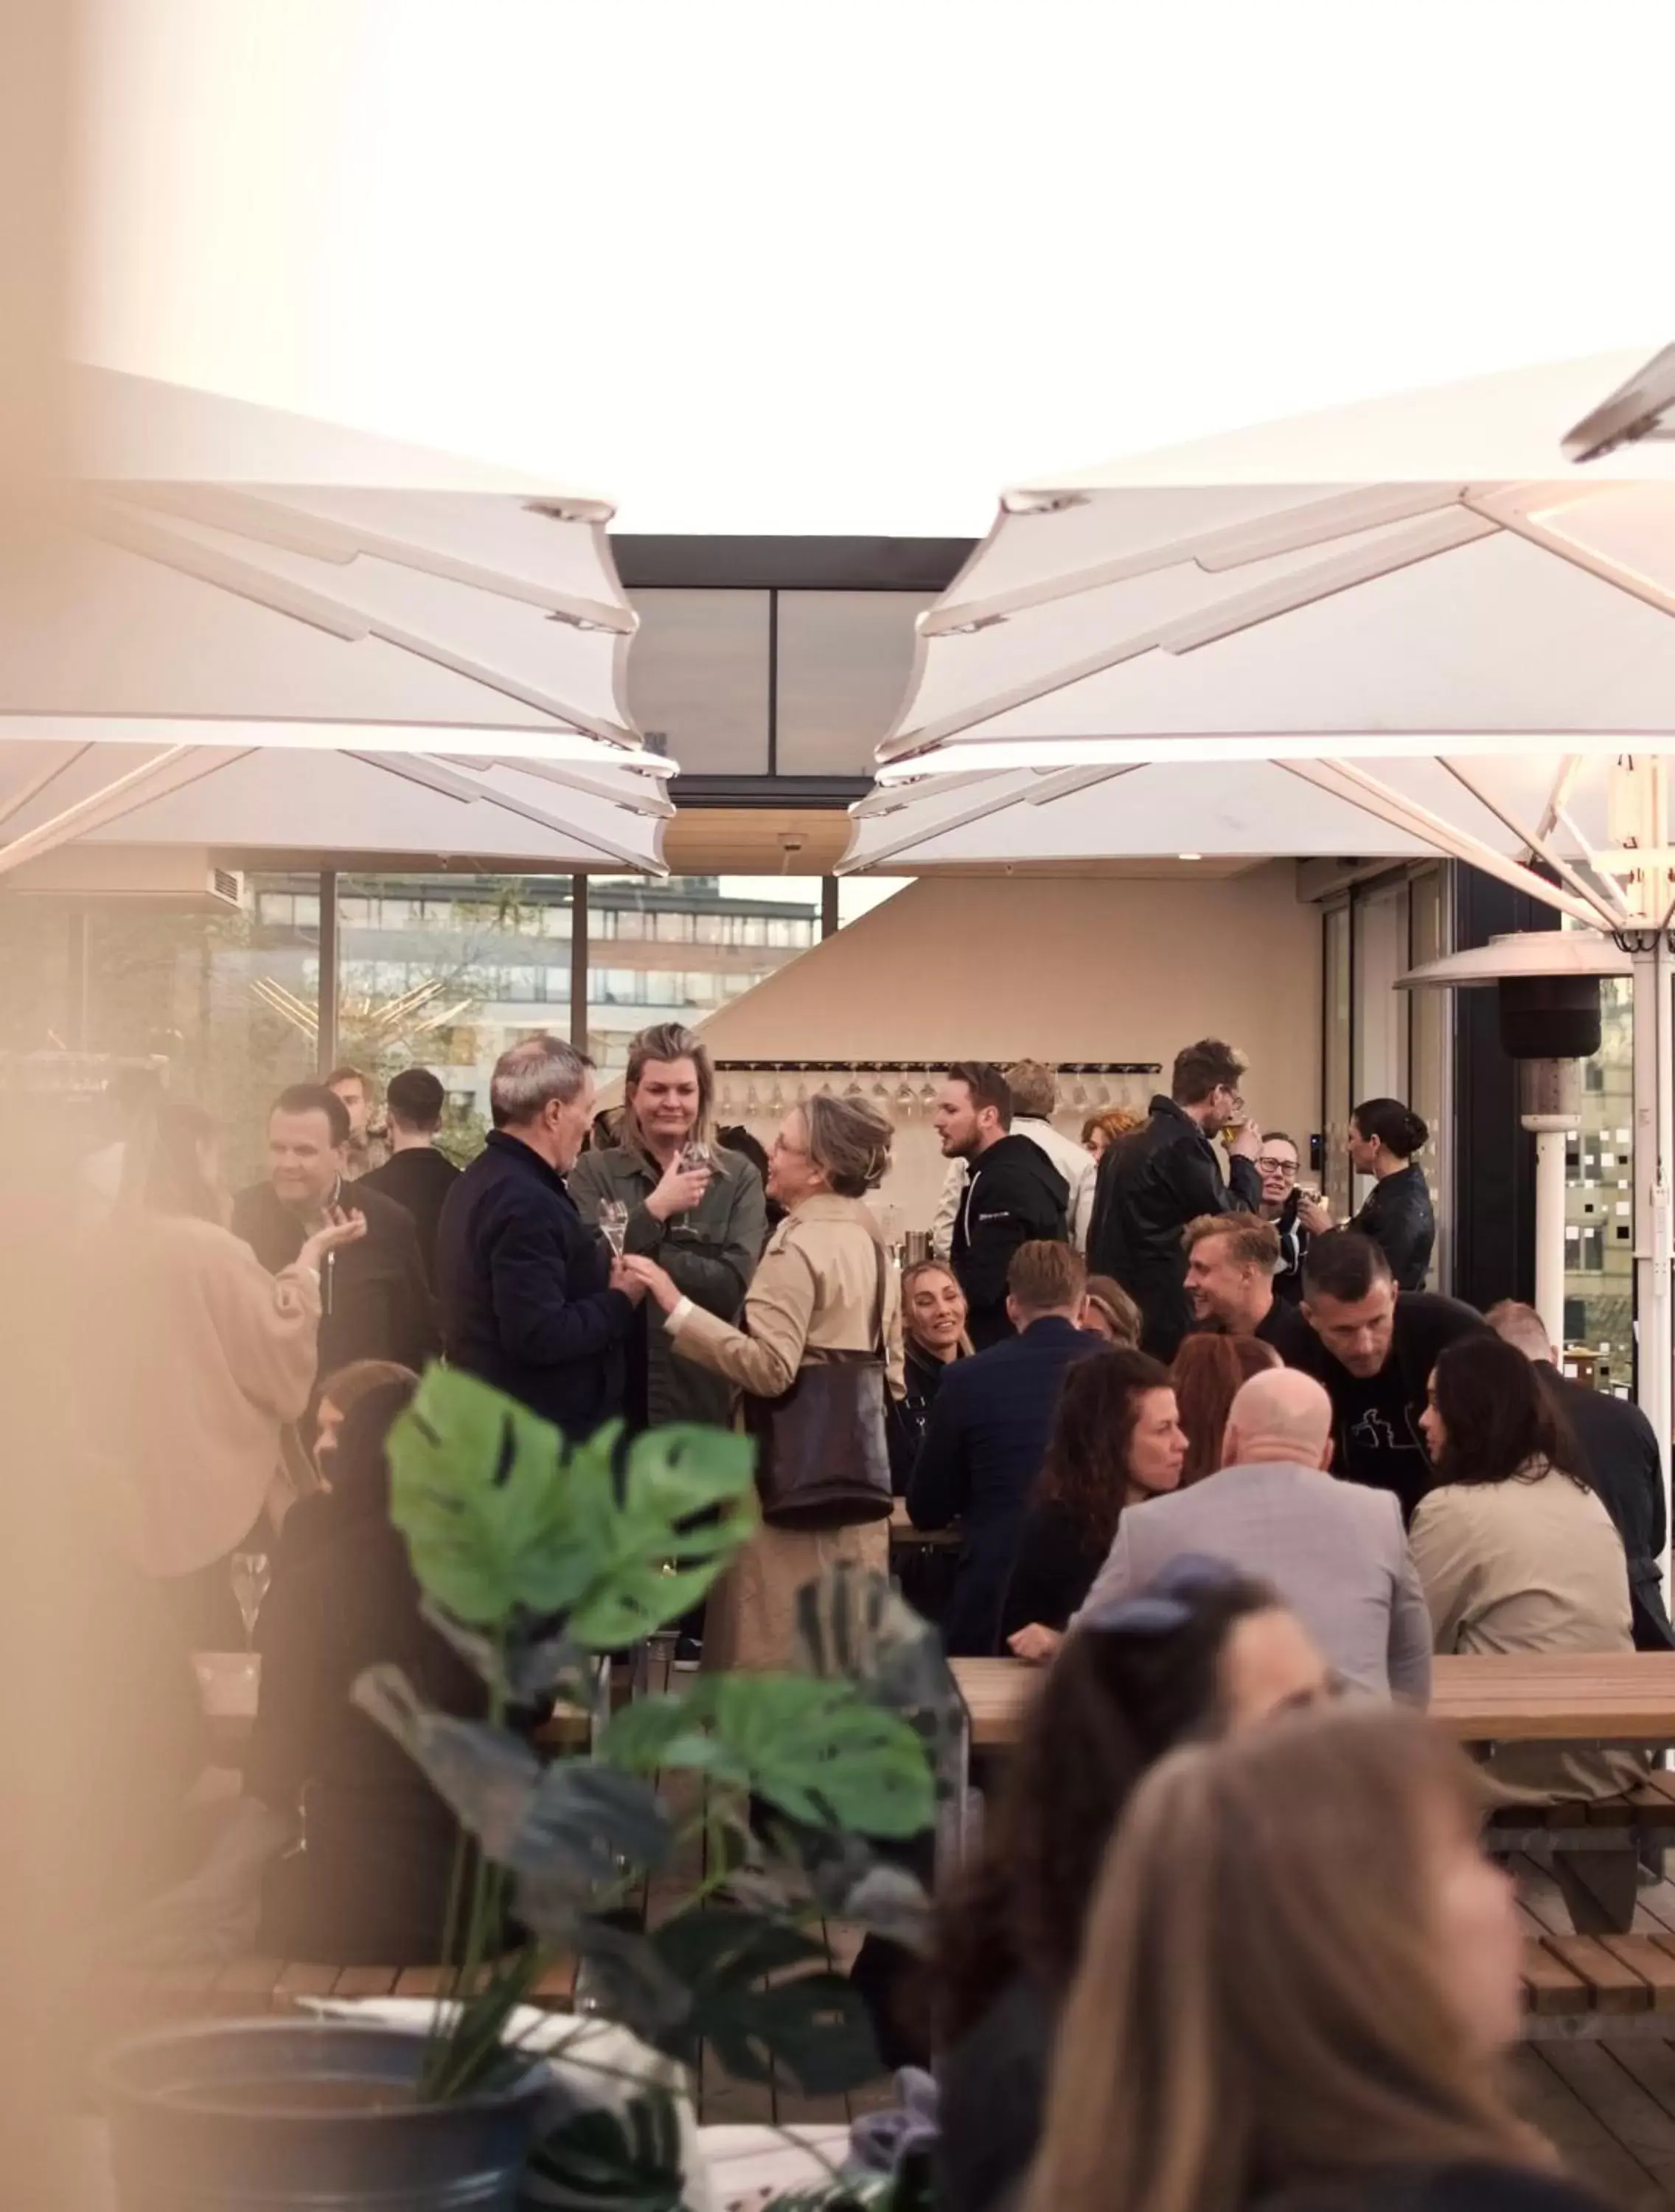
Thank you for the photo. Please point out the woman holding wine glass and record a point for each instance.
(206, 1358)
(665, 1193)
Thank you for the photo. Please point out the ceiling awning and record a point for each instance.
(222, 580)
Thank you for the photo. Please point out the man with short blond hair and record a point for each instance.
(1231, 1260)
(1336, 1551)
(988, 1436)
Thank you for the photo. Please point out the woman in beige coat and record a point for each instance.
(1519, 1554)
(203, 1358)
(815, 1292)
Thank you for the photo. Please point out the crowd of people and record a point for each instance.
(1206, 1456)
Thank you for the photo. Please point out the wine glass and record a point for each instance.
(614, 1224)
(696, 1157)
(251, 1573)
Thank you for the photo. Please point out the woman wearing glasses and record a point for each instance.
(1204, 1651)
(1298, 1214)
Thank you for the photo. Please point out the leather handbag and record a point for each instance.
(821, 1459)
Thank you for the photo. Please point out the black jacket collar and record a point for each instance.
(508, 1147)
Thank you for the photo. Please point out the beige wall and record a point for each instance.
(1064, 968)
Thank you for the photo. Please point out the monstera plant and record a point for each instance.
(538, 1561)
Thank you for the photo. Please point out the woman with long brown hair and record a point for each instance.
(1299, 1976)
(1208, 1373)
(1115, 1440)
(1203, 1651)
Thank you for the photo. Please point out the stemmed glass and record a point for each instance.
(696, 1157)
(251, 1573)
(614, 1224)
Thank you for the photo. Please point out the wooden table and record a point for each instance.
(1605, 1697)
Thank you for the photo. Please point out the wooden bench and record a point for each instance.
(1637, 1819)
(1588, 1987)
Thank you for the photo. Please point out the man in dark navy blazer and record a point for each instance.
(531, 1300)
(988, 1436)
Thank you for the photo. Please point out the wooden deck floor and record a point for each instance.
(1608, 2106)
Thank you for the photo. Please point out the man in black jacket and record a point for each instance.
(988, 1436)
(1372, 1348)
(416, 1174)
(531, 1300)
(375, 1298)
(1014, 1195)
(1620, 1453)
(1152, 1184)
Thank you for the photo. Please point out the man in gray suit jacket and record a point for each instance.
(1335, 1550)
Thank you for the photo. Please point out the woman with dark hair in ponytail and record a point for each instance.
(1384, 1136)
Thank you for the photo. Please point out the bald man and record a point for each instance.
(1336, 1551)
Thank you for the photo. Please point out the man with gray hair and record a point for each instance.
(1336, 1551)
(532, 1301)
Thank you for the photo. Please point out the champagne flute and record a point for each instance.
(251, 1573)
(614, 1224)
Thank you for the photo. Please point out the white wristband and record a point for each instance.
(677, 1317)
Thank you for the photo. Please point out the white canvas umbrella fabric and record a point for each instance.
(222, 581)
(1420, 612)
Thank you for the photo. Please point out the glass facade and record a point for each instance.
(226, 999)
(1380, 1041)
(1599, 1229)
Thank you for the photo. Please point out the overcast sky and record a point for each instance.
(793, 268)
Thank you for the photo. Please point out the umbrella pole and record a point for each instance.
(1653, 1091)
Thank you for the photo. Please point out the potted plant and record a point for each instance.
(538, 1561)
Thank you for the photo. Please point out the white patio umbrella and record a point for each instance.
(1420, 611)
(276, 807)
(223, 582)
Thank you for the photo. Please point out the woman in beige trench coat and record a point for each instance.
(815, 1292)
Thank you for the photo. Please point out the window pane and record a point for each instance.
(1430, 1031)
(1336, 1178)
(635, 981)
(844, 661)
(698, 678)
(1599, 1266)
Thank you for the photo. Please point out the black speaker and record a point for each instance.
(1549, 1017)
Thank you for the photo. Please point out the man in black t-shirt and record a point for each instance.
(416, 1174)
(1373, 1348)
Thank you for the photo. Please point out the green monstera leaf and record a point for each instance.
(853, 1626)
(822, 1753)
(573, 1822)
(651, 1542)
(476, 1488)
(812, 2027)
(597, 2160)
(506, 1528)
